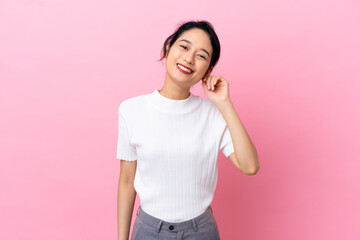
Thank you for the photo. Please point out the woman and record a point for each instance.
(175, 137)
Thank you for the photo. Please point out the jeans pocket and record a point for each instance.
(214, 228)
(136, 228)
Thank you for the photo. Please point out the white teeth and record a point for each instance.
(185, 69)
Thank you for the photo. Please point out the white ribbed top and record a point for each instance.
(176, 145)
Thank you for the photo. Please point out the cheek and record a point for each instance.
(203, 68)
(170, 62)
(175, 54)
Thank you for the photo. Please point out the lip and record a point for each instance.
(185, 67)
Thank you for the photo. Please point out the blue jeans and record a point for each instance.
(202, 227)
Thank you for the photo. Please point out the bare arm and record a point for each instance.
(126, 198)
(245, 154)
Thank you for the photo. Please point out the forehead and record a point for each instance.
(197, 37)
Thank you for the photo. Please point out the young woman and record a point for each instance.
(169, 141)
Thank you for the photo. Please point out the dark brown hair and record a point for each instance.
(203, 25)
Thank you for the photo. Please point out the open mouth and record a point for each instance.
(184, 69)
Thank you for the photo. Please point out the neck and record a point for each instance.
(174, 91)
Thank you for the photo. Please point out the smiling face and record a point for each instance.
(189, 57)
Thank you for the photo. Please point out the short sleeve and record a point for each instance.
(124, 150)
(226, 144)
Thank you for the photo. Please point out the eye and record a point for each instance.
(184, 47)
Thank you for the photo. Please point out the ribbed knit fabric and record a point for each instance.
(176, 145)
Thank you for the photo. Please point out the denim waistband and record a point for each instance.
(174, 226)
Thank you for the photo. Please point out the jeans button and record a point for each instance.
(171, 227)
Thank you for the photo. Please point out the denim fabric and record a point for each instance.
(202, 227)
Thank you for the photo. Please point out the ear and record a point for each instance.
(167, 50)
(208, 72)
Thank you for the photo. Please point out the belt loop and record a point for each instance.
(194, 225)
(137, 212)
(159, 225)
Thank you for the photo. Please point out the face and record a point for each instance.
(193, 51)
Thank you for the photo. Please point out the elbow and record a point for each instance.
(255, 166)
(253, 170)
(248, 166)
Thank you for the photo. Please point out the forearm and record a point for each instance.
(245, 151)
(125, 207)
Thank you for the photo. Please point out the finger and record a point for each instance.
(213, 83)
(217, 80)
(205, 85)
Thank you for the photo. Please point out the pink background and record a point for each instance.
(293, 69)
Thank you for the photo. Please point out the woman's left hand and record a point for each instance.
(219, 88)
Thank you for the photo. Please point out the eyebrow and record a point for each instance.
(191, 44)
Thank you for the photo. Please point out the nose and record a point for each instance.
(189, 58)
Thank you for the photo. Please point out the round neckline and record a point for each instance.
(173, 106)
(169, 99)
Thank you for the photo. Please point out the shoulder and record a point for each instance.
(131, 103)
(210, 107)
(129, 109)
(214, 113)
